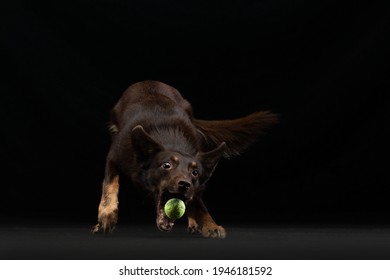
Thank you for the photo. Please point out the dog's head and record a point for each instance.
(171, 174)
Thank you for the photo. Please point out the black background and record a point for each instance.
(320, 64)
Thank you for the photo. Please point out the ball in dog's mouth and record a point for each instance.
(165, 223)
(174, 208)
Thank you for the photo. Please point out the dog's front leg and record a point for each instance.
(199, 220)
(108, 207)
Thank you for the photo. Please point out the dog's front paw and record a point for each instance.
(163, 222)
(212, 230)
(106, 222)
(193, 226)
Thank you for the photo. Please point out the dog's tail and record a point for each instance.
(238, 134)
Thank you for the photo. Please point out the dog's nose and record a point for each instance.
(184, 185)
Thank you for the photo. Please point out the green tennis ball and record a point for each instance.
(174, 208)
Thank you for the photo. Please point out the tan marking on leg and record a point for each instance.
(210, 228)
(109, 198)
(193, 226)
(199, 220)
(108, 207)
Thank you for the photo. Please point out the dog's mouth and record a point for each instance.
(164, 223)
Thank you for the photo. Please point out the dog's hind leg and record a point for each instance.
(108, 207)
(200, 220)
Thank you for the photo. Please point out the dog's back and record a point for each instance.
(149, 103)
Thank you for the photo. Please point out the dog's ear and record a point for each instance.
(210, 160)
(143, 144)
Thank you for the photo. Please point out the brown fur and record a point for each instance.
(158, 143)
(238, 134)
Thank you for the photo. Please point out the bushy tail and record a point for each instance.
(238, 134)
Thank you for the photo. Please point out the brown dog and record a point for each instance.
(158, 143)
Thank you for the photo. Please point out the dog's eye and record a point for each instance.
(166, 165)
(195, 172)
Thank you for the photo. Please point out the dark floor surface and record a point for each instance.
(243, 242)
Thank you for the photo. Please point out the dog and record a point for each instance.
(162, 148)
